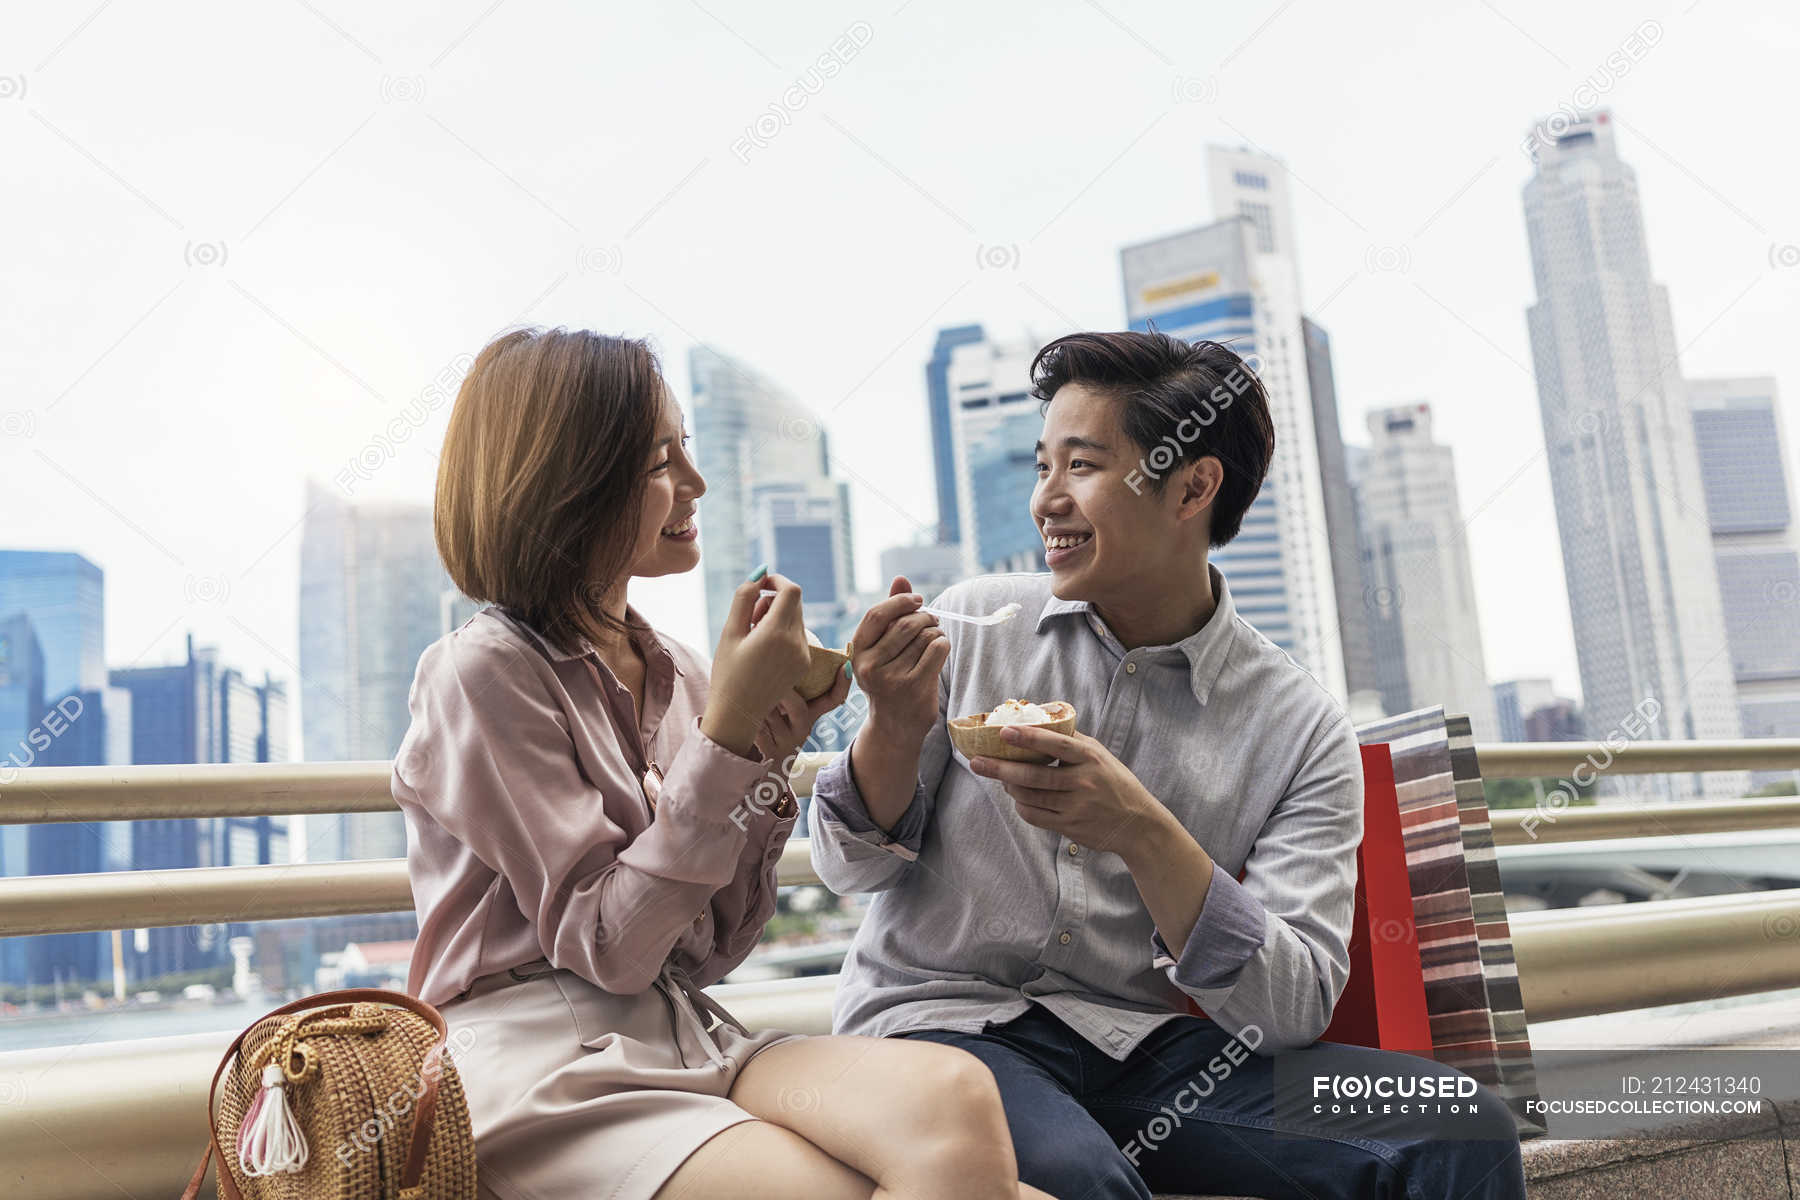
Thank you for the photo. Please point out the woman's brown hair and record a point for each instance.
(541, 484)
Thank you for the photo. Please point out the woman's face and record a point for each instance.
(668, 535)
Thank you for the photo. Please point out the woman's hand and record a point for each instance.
(756, 664)
(791, 721)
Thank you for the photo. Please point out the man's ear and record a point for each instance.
(1200, 482)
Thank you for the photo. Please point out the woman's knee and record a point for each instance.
(954, 1088)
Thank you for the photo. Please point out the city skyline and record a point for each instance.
(1415, 262)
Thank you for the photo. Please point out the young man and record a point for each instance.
(1056, 920)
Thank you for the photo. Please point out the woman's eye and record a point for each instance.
(661, 466)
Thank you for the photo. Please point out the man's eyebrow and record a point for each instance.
(1078, 443)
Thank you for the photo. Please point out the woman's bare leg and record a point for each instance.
(759, 1161)
(755, 1160)
(920, 1119)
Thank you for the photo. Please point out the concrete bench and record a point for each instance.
(128, 1118)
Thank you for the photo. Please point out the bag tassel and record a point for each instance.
(269, 1137)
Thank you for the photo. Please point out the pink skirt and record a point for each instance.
(575, 1091)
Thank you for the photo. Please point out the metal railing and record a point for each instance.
(122, 1116)
(1562, 958)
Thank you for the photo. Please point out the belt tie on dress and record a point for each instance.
(672, 979)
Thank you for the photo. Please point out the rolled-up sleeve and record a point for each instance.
(1272, 950)
(743, 907)
(493, 761)
(849, 851)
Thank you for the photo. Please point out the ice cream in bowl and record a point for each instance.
(822, 671)
(979, 735)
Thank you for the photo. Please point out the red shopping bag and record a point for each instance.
(1383, 1002)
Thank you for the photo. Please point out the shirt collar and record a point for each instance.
(641, 633)
(1206, 649)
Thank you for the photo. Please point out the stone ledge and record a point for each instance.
(1709, 1158)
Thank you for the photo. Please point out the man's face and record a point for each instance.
(1102, 539)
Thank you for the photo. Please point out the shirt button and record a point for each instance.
(1131, 668)
(1065, 939)
(1074, 850)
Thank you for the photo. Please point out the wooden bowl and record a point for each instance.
(976, 738)
(827, 663)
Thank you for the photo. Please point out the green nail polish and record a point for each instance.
(760, 572)
(847, 674)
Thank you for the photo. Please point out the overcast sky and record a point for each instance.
(240, 239)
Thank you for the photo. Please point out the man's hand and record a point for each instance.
(1092, 798)
(899, 651)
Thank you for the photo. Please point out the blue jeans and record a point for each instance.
(1088, 1127)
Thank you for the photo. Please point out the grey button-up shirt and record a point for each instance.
(979, 914)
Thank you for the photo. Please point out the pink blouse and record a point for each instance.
(528, 832)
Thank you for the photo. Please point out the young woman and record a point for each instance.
(594, 827)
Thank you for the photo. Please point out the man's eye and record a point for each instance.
(1080, 462)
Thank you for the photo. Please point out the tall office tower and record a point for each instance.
(21, 700)
(61, 596)
(994, 429)
(1756, 542)
(1342, 527)
(1237, 281)
(90, 727)
(1514, 702)
(371, 587)
(800, 528)
(21, 708)
(1418, 567)
(943, 444)
(64, 595)
(747, 433)
(199, 711)
(1637, 552)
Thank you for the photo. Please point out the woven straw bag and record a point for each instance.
(346, 1095)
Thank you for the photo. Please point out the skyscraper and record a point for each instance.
(1756, 542)
(1342, 527)
(748, 433)
(799, 528)
(371, 588)
(1237, 281)
(994, 429)
(199, 711)
(64, 595)
(1417, 565)
(21, 706)
(943, 447)
(51, 609)
(1637, 551)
